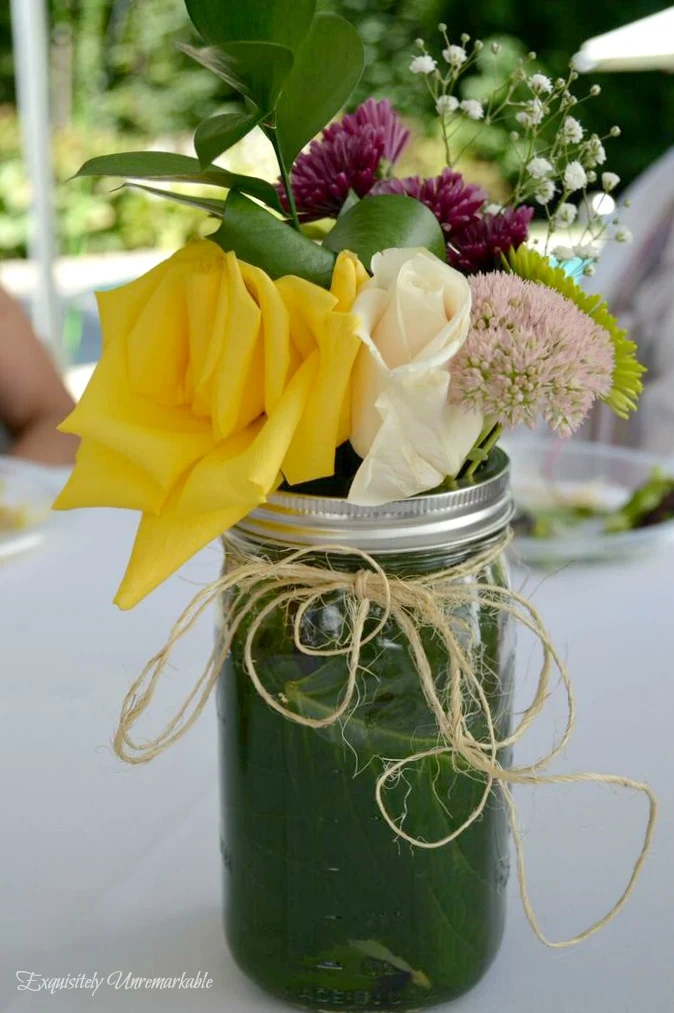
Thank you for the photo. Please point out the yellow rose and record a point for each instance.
(214, 383)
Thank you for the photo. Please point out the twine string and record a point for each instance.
(257, 587)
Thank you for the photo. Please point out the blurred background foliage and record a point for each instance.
(118, 82)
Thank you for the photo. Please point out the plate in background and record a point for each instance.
(548, 472)
(27, 492)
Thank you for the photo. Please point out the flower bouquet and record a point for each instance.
(331, 410)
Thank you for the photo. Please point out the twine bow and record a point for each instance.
(431, 601)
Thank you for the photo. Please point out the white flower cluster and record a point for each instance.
(423, 64)
(559, 160)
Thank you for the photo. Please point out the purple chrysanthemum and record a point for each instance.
(530, 353)
(480, 246)
(349, 156)
(383, 117)
(454, 202)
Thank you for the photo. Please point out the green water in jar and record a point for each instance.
(324, 906)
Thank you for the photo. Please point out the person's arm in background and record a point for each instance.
(33, 399)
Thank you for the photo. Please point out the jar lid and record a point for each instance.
(470, 513)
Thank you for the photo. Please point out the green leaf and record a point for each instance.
(162, 165)
(165, 166)
(376, 950)
(285, 22)
(220, 133)
(257, 70)
(327, 68)
(352, 199)
(212, 206)
(380, 223)
(259, 238)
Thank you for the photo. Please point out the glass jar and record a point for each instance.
(325, 906)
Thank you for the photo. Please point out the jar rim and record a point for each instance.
(471, 513)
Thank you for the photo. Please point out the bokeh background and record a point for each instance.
(118, 82)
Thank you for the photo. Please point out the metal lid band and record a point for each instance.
(468, 514)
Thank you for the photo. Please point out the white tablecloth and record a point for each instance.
(105, 868)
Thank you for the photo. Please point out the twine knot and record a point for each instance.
(258, 587)
(361, 585)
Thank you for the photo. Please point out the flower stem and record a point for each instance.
(487, 445)
(285, 176)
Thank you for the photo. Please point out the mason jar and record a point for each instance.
(326, 906)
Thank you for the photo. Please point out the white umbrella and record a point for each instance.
(647, 44)
(31, 60)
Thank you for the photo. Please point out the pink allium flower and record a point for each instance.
(480, 245)
(454, 202)
(530, 353)
(350, 156)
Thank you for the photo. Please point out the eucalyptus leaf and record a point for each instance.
(168, 167)
(384, 222)
(211, 205)
(328, 66)
(259, 238)
(285, 22)
(215, 136)
(257, 70)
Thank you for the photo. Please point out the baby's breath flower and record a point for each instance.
(575, 177)
(447, 104)
(496, 48)
(591, 176)
(589, 270)
(473, 109)
(465, 38)
(514, 135)
(586, 251)
(540, 84)
(565, 215)
(539, 167)
(423, 64)
(533, 113)
(615, 131)
(455, 56)
(478, 45)
(623, 234)
(545, 191)
(594, 152)
(595, 90)
(572, 130)
(609, 180)
(564, 252)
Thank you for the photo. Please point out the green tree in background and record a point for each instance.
(115, 63)
(117, 76)
(642, 103)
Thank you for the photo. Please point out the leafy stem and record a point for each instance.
(285, 177)
(484, 446)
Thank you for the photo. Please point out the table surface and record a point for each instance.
(111, 869)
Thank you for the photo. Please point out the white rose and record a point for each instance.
(414, 315)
